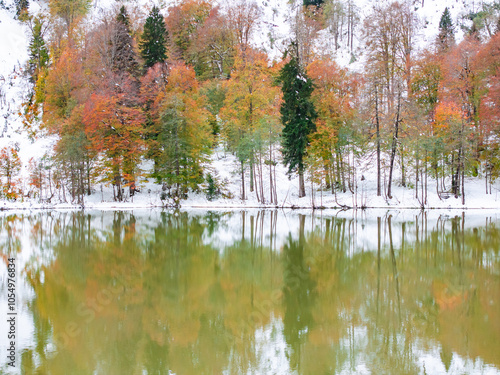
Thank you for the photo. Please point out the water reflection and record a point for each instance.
(255, 292)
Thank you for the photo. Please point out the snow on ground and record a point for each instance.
(14, 53)
(225, 166)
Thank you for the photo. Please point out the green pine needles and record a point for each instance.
(154, 39)
(446, 36)
(297, 115)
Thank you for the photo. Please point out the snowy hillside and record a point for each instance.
(15, 88)
(14, 47)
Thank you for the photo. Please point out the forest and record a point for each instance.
(132, 98)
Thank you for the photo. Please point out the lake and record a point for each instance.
(252, 292)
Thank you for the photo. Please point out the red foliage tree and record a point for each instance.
(115, 130)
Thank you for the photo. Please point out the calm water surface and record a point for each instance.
(256, 292)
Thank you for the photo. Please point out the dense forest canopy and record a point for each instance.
(172, 86)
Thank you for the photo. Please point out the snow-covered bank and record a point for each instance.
(225, 167)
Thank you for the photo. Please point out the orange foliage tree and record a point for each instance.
(213, 49)
(10, 166)
(334, 96)
(461, 85)
(251, 119)
(183, 21)
(65, 88)
(115, 130)
(487, 64)
(183, 133)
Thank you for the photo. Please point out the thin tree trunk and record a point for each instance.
(379, 193)
(302, 190)
(251, 174)
(261, 178)
(242, 182)
(416, 174)
(425, 201)
(271, 196)
(403, 169)
(88, 176)
(256, 185)
(462, 160)
(394, 147)
(342, 172)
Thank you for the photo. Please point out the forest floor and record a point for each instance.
(361, 194)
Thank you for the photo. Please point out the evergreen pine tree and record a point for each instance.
(446, 36)
(39, 55)
(316, 3)
(297, 115)
(153, 45)
(124, 58)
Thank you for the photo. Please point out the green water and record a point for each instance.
(261, 292)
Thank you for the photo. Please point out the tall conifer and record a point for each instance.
(446, 36)
(316, 3)
(39, 54)
(297, 115)
(153, 45)
(125, 58)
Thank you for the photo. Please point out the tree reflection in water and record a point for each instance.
(188, 293)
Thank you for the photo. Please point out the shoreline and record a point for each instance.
(114, 206)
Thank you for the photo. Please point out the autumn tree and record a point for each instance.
(69, 11)
(250, 121)
(154, 39)
(389, 36)
(10, 167)
(182, 22)
(64, 89)
(427, 144)
(74, 159)
(151, 94)
(389, 33)
(214, 92)
(243, 16)
(334, 97)
(213, 49)
(449, 128)
(114, 128)
(298, 116)
(487, 67)
(184, 138)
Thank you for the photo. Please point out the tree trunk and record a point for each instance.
(403, 169)
(394, 147)
(271, 197)
(302, 189)
(416, 174)
(89, 192)
(425, 167)
(379, 192)
(242, 182)
(256, 185)
(261, 179)
(251, 174)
